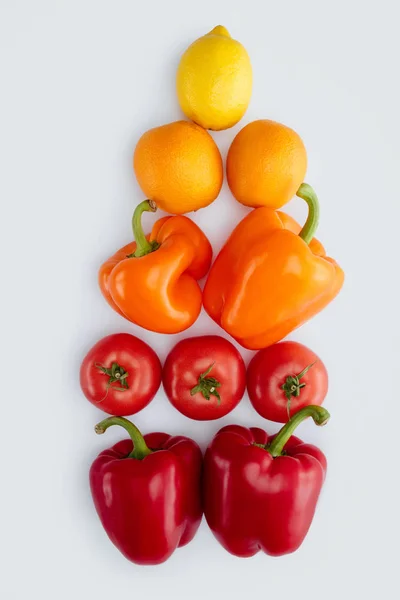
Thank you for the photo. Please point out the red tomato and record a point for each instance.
(120, 374)
(204, 377)
(279, 380)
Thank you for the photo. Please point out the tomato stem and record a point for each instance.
(307, 193)
(116, 374)
(319, 415)
(207, 385)
(292, 386)
(140, 448)
(143, 246)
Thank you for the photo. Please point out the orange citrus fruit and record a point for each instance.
(266, 164)
(178, 166)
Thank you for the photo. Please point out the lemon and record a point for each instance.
(214, 80)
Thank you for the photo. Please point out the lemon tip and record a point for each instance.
(220, 30)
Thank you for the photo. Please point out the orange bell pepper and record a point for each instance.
(153, 281)
(270, 277)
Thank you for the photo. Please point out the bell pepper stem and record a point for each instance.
(143, 246)
(140, 449)
(319, 415)
(307, 193)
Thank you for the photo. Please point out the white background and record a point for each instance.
(80, 82)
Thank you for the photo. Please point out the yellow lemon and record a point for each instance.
(214, 80)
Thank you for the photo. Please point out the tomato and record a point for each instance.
(283, 378)
(120, 374)
(204, 377)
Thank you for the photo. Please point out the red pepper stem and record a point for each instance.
(140, 449)
(143, 246)
(320, 416)
(306, 192)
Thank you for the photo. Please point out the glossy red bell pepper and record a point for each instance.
(147, 492)
(260, 493)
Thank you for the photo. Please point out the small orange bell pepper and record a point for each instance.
(153, 281)
(270, 277)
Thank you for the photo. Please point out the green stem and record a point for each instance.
(207, 385)
(143, 246)
(306, 192)
(116, 374)
(140, 449)
(320, 416)
(293, 386)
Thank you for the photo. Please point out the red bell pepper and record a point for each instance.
(260, 493)
(147, 492)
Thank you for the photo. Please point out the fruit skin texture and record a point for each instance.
(268, 371)
(136, 358)
(266, 164)
(192, 357)
(178, 166)
(214, 80)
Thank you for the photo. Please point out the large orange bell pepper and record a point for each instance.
(153, 281)
(270, 277)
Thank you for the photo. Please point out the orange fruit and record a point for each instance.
(266, 164)
(178, 166)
